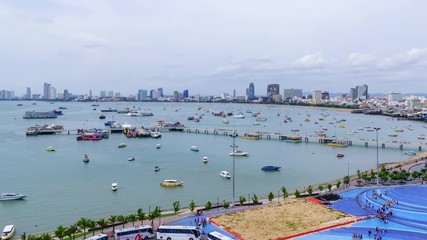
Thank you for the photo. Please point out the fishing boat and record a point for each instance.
(85, 159)
(194, 148)
(8, 232)
(239, 153)
(171, 183)
(114, 186)
(205, 159)
(225, 174)
(156, 168)
(50, 149)
(122, 145)
(335, 143)
(270, 168)
(11, 196)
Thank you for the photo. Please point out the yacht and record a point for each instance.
(114, 186)
(225, 174)
(239, 153)
(8, 232)
(11, 196)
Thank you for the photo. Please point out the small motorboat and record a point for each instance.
(122, 145)
(239, 153)
(225, 174)
(11, 196)
(171, 183)
(340, 155)
(155, 135)
(410, 153)
(194, 148)
(8, 232)
(270, 168)
(114, 186)
(50, 149)
(131, 159)
(101, 116)
(85, 159)
(156, 168)
(158, 146)
(205, 159)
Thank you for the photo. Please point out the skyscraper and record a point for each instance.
(142, 94)
(250, 92)
(291, 93)
(160, 90)
(359, 92)
(46, 90)
(272, 89)
(185, 93)
(28, 96)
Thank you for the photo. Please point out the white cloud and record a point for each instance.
(361, 59)
(315, 60)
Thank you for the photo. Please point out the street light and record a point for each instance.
(378, 172)
(234, 135)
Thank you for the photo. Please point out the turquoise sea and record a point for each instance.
(60, 188)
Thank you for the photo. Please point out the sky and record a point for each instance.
(213, 46)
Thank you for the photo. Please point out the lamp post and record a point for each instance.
(234, 135)
(378, 172)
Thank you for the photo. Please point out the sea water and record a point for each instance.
(60, 188)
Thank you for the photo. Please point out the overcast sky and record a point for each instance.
(213, 46)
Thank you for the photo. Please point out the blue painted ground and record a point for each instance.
(408, 219)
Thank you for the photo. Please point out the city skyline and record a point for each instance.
(213, 46)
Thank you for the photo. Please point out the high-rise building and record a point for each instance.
(154, 94)
(160, 90)
(175, 96)
(67, 95)
(325, 95)
(250, 92)
(103, 94)
(394, 98)
(28, 95)
(272, 89)
(52, 93)
(117, 95)
(185, 93)
(110, 94)
(46, 90)
(359, 92)
(291, 93)
(317, 96)
(142, 94)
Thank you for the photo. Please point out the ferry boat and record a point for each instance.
(225, 174)
(171, 183)
(252, 136)
(11, 196)
(8, 232)
(270, 168)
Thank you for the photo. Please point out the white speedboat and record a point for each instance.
(239, 116)
(50, 149)
(194, 148)
(239, 153)
(114, 186)
(205, 159)
(158, 146)
(225, 174)
(8, 232)
(131, 159)
(122, 145)
(11, 196)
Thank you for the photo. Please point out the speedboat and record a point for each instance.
(239, 153)
(155, 135)
(122, 145)
(11, 196)
(225, 174)
(171, 183)
(131, 159)
(50, 149)
(205, 159)
(270, 168)
(114, 186)
(8, 232)
(158, 146)
(239, 116)
(194, 148)
(410, 153)
(85, 159)
(156, 168)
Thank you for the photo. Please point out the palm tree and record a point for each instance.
(60, 232)
(91, 225)
(102, 224)
(140, 215)
(158, 212)
(45, 236)
(310, 190)
(151, 216)
(122, 219)
(112, 220)
(285, 192)
(83, 223)
(132, 218)
(72, 230)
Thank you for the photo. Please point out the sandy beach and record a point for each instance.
(275, 221)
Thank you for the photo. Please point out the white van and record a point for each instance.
(217, 236)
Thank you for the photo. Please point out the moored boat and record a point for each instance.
(270, 168)
(122, 145)
(252, 136)
(239, 153)
(158, 146)
(225, 174)
(156, 168)
(194, 148)
(8, 232)
(11, 196)
(171, 183)
(85, 158)
(50, 149)
(410, 153)
(340, 155)
(131, 159)
(114, 186)
(205, 159)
